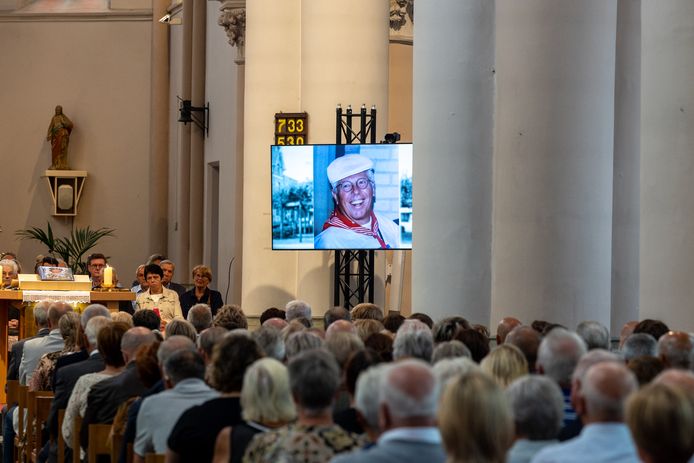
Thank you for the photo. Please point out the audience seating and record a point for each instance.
(19, 438)
(42, 408)
(76, 428)
(12, 392)
(61, 440)
(155, 458)
(98, 441)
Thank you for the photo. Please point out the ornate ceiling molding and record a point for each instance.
(233, 20)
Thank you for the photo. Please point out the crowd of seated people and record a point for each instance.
(358, 386)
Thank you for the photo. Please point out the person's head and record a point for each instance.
(638, 345)
(278, 323)
(167, 268)
(146, 318)
(505, 363)
(301, 341)
(449, 368)
(266, 397)
(422, 317)
(342, 345)
(366, 327)
(340, 326)
(140, 276)
(69, 326)
(155, 259)
(58, 110)
(604, 390)
(314, 377)
(528, 341)
(297, 309)
(661, 420)
(333, 314)
(413, 339)
(154, 276)
(475, 419)
(181, 328)
(173, 344)
(55, 311)
(646, 368)
(558, 355)
(450, 349)
(183, 364)
(353, 188)
(367, 311)
(393, 321)
(627, 330)
(367, 398)
(134, 339)
(504, 328)
(48, 261)
(409, 395)
(231, 356)
(382, 344)
(91, 311)
(655, 328)
(208, 338)
(123, 317)
(586, 361)
(96, 263)
(109, 342)
(230, 317)
(675, 349)
(41, 314)
(147, 365)
(270, 341)
(10, 270)
(595, 334)
(272, 312)
(476, 342)
(359, 361)
(94, 325)
(537, 406)
(202, 276)
(200, 316)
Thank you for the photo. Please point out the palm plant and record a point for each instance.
(71, 248)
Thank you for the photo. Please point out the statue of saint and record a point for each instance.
(59, 136)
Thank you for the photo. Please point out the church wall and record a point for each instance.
(99, 71)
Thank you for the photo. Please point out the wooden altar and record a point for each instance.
(13, 298)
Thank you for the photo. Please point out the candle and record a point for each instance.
(108, 277)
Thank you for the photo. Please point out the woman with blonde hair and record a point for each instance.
(505, 363)
(266, 401)
(475, 420)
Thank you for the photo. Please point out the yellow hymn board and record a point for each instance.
(291, 128)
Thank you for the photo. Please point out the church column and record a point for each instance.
(159, 131)
(453, 98)
(625, 218)
(667, 144)
(553, 163)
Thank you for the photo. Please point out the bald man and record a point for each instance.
(600, 404)
(340, 326)
(407, 417)
(675, 349)
(528, 341)
(504, 328)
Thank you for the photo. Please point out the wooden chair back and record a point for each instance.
(19, 438)
(155, 458)
(98, 441)
(116, 444)
(61, 440)
(43, 407)
(12, 392)
(76, 428)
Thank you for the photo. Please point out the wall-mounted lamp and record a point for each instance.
(187, 109)
(170, 20)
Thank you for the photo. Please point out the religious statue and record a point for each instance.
(59, 136)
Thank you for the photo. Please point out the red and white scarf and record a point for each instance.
(339, 220)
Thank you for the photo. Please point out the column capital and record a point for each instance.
(401, 21)
(233, 20)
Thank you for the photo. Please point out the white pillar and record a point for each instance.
(625, 218)
(553, 160)
(453, 93)
(667, 162)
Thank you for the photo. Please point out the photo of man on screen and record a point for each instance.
(353, 223)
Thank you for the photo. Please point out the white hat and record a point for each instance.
(347, 165)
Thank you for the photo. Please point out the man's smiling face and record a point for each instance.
(357, 203)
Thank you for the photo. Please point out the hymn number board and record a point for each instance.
(291, 128)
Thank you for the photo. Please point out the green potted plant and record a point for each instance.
(71, 248)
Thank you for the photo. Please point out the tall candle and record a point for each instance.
(108, 277)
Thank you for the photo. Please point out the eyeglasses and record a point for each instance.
(97, 265)
(346, 187)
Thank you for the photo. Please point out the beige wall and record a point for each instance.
(99, 72)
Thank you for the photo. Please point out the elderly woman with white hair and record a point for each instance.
(267, 404)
